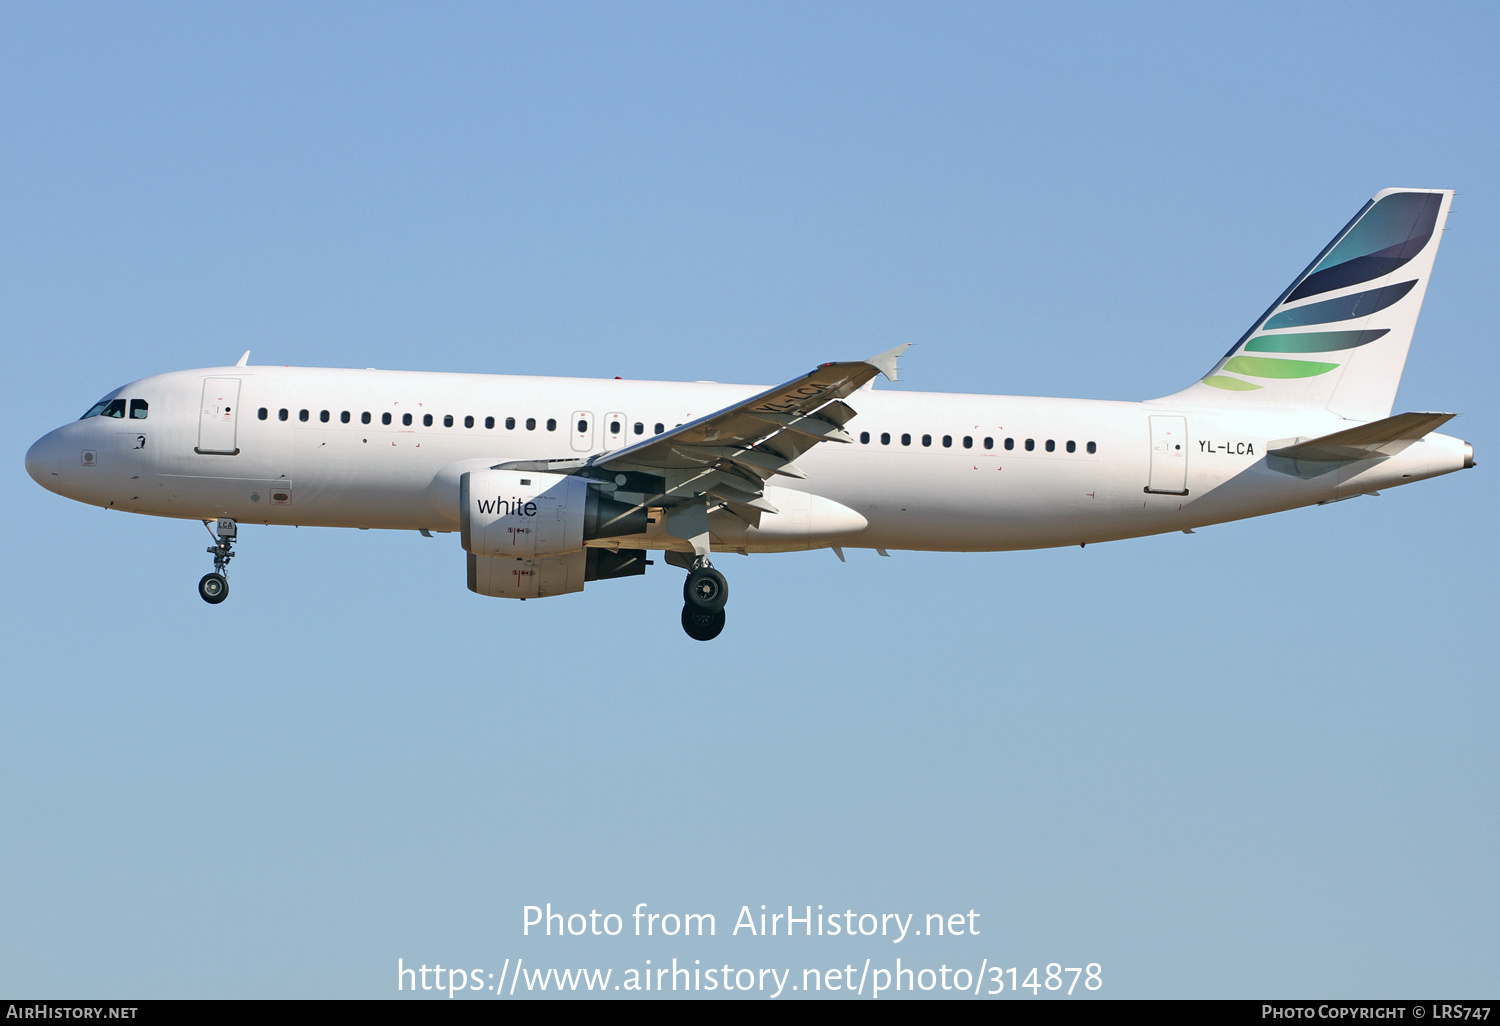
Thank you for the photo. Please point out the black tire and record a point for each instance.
(701, 625)
(213, 588)
(705, 589)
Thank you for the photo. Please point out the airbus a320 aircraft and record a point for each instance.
(555, 482)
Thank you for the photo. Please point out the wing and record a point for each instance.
(724, 460)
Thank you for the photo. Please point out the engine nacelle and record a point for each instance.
(528, 578)
(551, 575)
(525, 514)
(521, 514)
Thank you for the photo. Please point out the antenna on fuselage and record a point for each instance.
(243, 361)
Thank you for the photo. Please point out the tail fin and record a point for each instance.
(1337, 338)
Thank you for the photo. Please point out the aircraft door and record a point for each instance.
(1168, 456)
(614, 431)
(216, 421)
(583, 431)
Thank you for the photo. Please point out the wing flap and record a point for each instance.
(729, 493)
(813, 426)
(759, 462)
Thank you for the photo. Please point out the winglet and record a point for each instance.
(885, 363)
(243, 361)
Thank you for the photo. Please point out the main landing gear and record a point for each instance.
(214, 587)
(703, 596)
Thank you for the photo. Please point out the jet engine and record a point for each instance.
(525, 533)
(521, 514)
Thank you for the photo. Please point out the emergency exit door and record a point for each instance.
(220, 410)
(615, 433)
(1168, 456)
(583, 431)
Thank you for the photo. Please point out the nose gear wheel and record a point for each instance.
(214, 588)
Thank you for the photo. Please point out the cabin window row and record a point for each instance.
(1029, 444)
(408, 420)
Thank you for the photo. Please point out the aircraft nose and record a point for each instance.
(44, 461)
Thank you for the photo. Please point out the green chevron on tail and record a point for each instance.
(1337, 338)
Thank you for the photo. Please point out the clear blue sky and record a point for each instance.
(1259, 760)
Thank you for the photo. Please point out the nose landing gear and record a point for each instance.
(214, 588)
(704, 594)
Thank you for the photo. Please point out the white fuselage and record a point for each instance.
(945, 479)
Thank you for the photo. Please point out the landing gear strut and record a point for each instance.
(703, 596)
(214, 587)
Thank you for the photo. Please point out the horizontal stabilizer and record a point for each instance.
(1376, 440)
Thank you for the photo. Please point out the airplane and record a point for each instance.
(552, 483)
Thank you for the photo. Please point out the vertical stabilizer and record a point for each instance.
(1338, 336)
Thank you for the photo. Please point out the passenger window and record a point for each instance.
(530, 423)
(468, 422)
(885, 438)
(282, 414)
(906, 439)
(427, 420)
(302, 415)
(447, 420)
(989, 443)
(137, 409)
(968, 441)
(583, 427)
(864, 438)
(385, 418)
(406, 419)
(1010, 443)
(551, 424)
(1051, 445)
(1072, 445)
(948, 442)
(262, 413)
(323, 416)
(489, 423)
(614, 427)
(364, 418)
(510, 423)
(660, 428)
(926, 439)
(640, 428)
(1030, 444)
(1092, 448)
(344, 417)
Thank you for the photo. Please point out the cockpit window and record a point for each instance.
(106, 408)
(137, 409)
